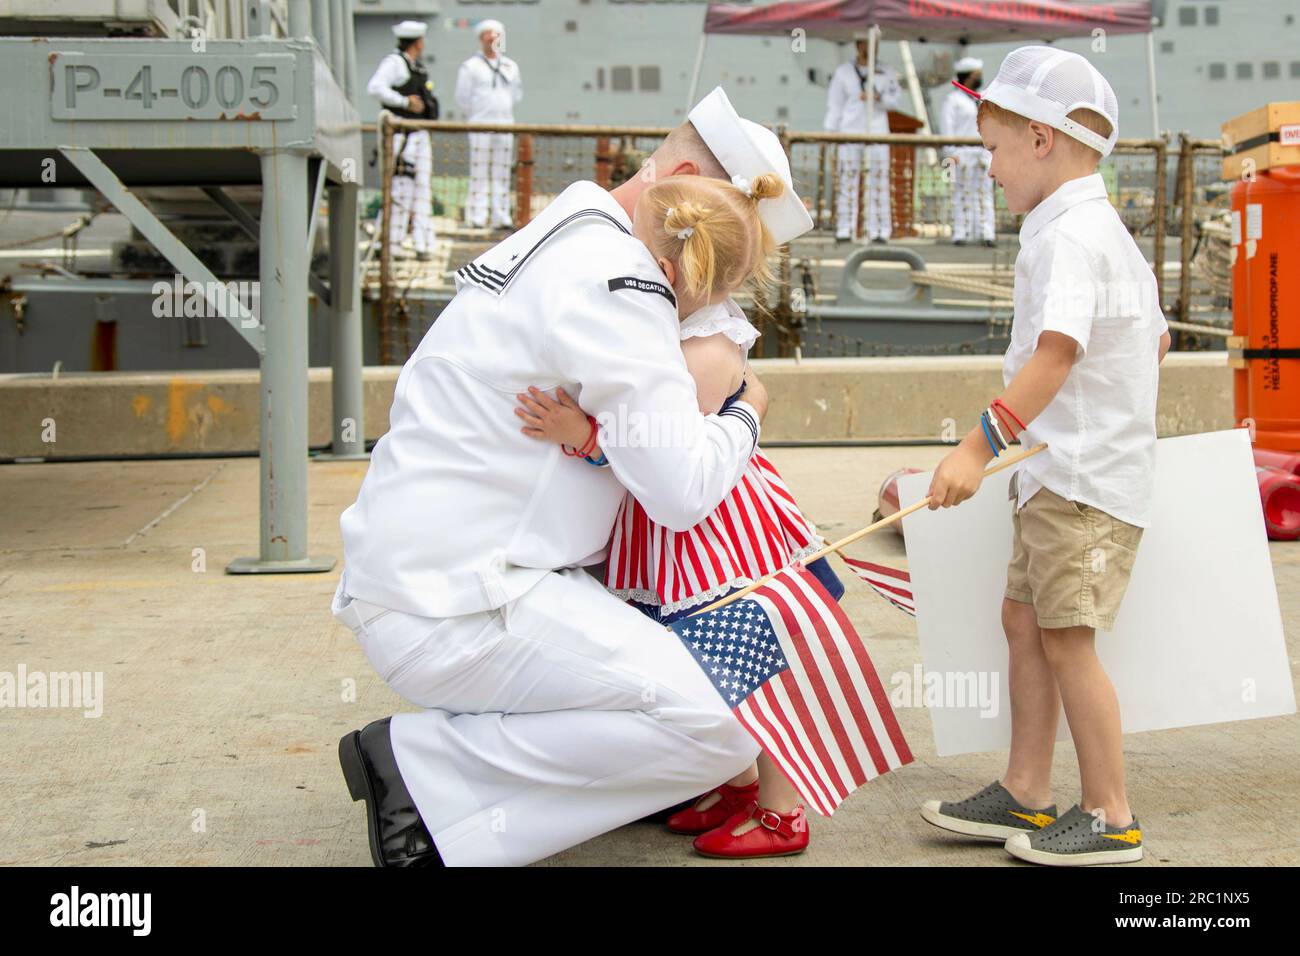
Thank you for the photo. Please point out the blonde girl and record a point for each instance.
(709, 241)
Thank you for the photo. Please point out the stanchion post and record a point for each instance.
(385, 247)
(1187, 160)
(524, 181)
(603, 162)
(1160, 211)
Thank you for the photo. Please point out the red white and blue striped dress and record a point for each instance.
(758, 528)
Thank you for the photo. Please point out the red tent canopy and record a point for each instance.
(947, 21)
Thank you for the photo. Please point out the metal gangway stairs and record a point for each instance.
(225, 94)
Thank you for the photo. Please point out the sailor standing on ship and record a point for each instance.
(846, 112)
(487, 88)
(402, 86)
(972, 189)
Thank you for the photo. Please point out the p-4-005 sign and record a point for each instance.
(121, 86)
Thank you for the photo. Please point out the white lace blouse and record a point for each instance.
(724, 317)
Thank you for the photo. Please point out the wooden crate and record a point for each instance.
(1268, 137)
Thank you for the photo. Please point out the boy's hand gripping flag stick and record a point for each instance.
(883, 522)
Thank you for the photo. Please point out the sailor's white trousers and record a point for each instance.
(558, 717)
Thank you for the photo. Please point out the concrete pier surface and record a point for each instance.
(223, 697)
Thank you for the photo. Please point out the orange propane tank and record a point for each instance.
(1272, 307)
(1240, 303)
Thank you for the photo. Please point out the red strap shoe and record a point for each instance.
(756, 832)
(713, 809)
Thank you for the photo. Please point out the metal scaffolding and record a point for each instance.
(270, 108)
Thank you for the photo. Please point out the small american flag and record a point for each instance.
(796, 675)
(893, 585)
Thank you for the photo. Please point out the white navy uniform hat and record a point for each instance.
(746, 149)
(1046, 85)
(485, 25)
(410, 29)
(968, 64)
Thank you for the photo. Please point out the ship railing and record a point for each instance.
(543, 159)
(1140, 175)
(1198, 213)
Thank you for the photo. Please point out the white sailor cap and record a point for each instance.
(861, 35)
(485, 25)
(968, 64)
(746, 149)
(410, 29)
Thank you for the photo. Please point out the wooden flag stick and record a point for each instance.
(869, 529)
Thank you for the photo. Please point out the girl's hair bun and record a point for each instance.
(686, 215)
(767, 186)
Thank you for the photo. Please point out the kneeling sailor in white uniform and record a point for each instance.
(553, 711)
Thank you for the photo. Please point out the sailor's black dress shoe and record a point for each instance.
(398, 837)
(661, 816)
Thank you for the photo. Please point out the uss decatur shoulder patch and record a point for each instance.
(642, 285)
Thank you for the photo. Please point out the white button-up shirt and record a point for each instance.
(846, 104)
(459, 511)
(487, 90)
(1080, 273)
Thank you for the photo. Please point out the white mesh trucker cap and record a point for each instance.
(1046, 84)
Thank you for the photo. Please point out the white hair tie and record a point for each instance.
(683, 234)
(743, 184)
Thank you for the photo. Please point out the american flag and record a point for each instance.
(796, 675)
(893, 585)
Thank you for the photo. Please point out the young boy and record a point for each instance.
(1081, 374)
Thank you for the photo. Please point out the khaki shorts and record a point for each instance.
(1071, 561)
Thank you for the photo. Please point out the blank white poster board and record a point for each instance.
(1198, 639)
